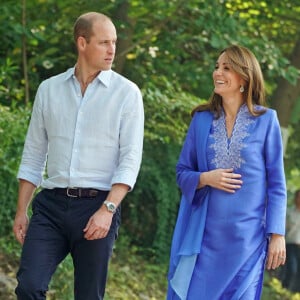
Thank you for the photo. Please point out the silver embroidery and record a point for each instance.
(228, 150)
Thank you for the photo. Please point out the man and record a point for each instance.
(87, 127)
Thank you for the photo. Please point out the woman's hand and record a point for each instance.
(276, 252)
(222, 179)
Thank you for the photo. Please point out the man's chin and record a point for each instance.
(106, 68)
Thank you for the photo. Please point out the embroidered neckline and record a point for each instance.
(228, 150)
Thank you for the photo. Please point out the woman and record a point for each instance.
(231, 220)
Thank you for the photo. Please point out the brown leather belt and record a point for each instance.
(77, 192)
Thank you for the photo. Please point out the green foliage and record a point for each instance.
(149, 213)
(13, 125)
(191, 34)
(273, 26)
(173, 51)
(292, 161)
(130, 276)
(154, 201)
(167, 111)
(61, 286)
(191, 49)
(9, 87)
(11, 70)
(273, 290)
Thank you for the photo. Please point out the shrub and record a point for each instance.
(13, 126)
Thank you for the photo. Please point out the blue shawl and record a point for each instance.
(188, 233)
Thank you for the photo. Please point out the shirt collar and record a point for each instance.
(69, 73)
(104, 76)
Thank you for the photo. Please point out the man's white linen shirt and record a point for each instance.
(91, 141)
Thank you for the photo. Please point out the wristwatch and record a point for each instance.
(111, 207)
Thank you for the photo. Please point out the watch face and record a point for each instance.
(110, 206)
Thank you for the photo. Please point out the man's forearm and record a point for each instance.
(117, 193)
(26, 190)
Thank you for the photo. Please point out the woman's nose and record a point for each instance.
(218, 71)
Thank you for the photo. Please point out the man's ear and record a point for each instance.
(81, 42)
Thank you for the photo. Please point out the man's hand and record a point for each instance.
(98, 224)
(20, 227)
(26, 190)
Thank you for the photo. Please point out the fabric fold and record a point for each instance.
(186, 244)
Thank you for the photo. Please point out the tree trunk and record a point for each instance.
(24, 52)
(125, 33)
(285, 96)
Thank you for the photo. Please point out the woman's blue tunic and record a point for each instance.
(220, 239)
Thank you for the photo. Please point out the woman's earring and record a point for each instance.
(242, 89)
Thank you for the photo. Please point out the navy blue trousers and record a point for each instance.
(56, 230)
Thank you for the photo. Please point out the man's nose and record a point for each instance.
(111, 47)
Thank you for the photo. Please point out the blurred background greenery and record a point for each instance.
(169, 49)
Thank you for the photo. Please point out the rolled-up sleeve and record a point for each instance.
(131, 140)
(36, 145)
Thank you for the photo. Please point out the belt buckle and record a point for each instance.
(93, 193)
(70, 195)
